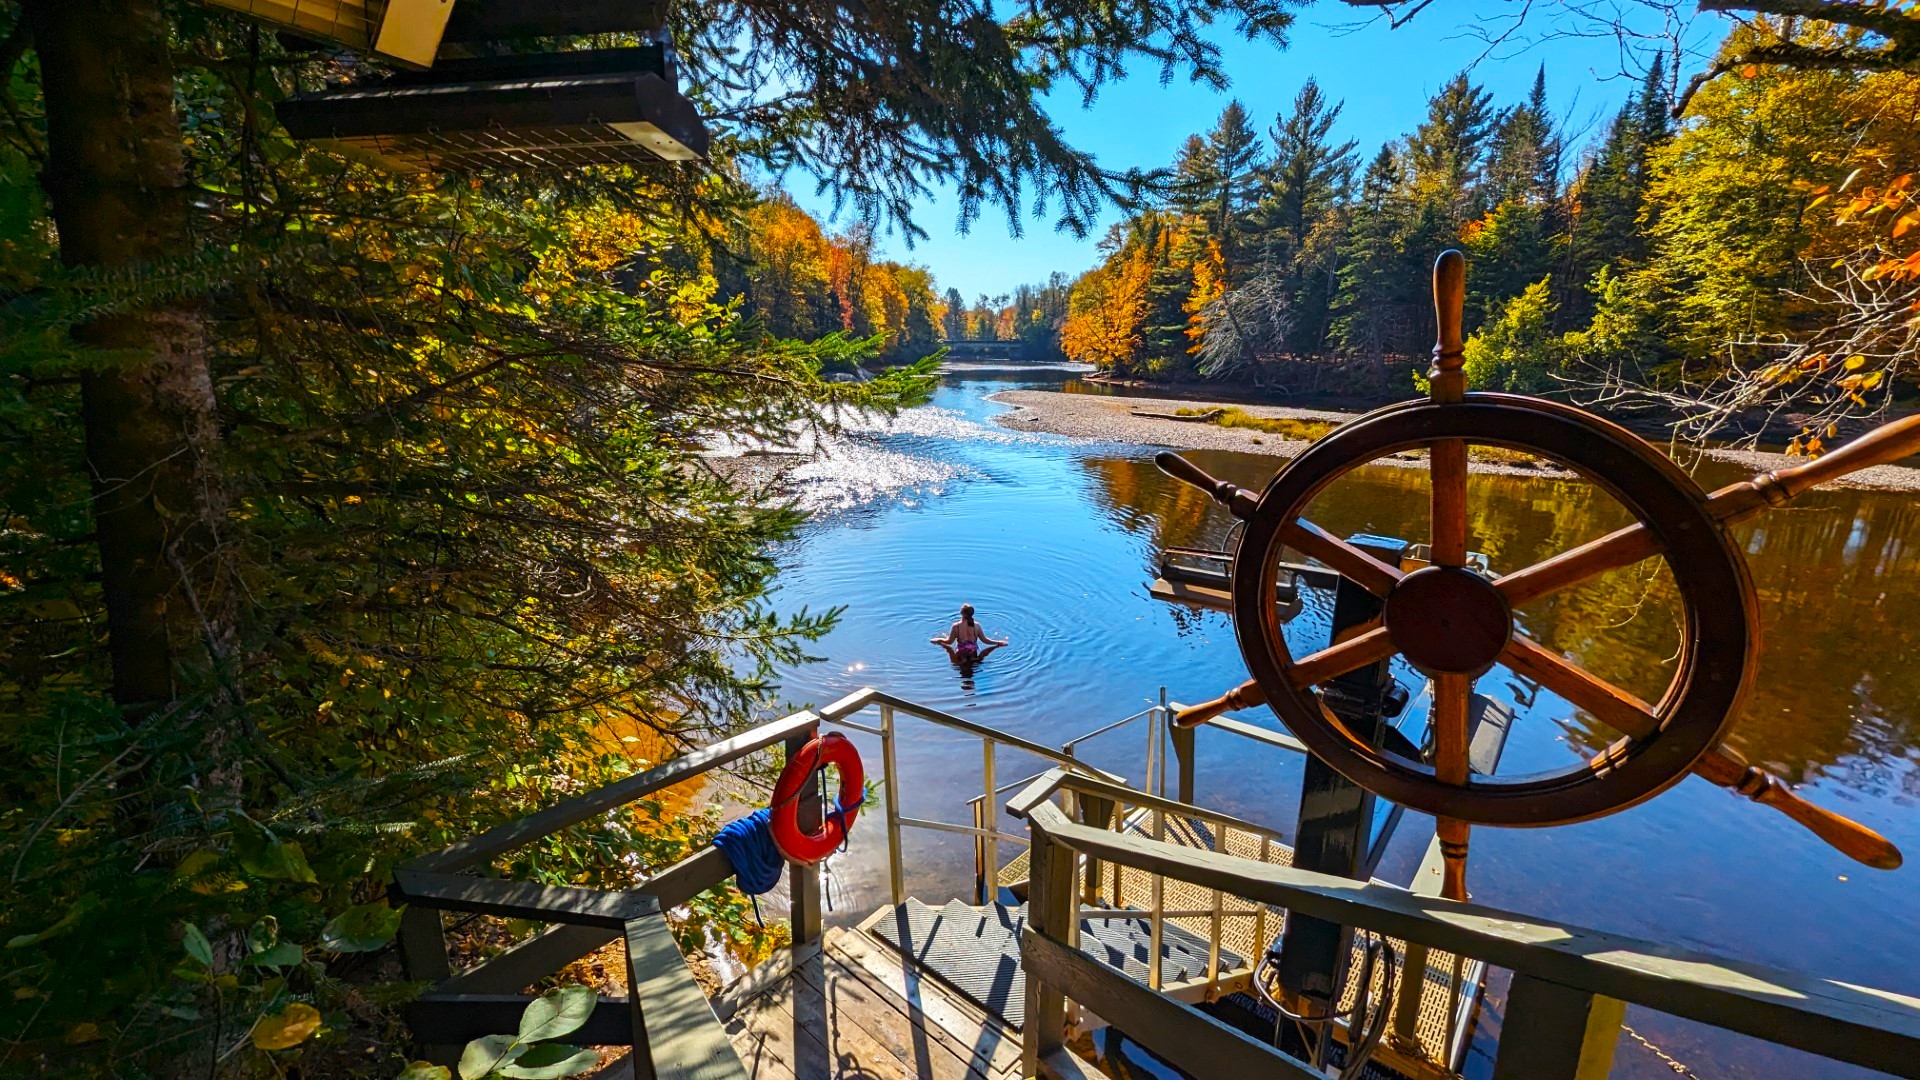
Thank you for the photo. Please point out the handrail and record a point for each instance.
(524, 830)
(1122, 794)
(860, 699)
(1863, 1026)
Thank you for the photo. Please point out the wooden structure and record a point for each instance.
(546, 110)
(844, 1003)
(1141, 911)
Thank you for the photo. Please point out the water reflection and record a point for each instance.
(1053, 542)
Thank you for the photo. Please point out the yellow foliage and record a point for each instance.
(287, 1028)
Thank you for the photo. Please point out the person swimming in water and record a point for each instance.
(965, 641)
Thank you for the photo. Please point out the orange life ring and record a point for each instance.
(832, 749)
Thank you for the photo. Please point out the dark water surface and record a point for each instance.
(1053, 541)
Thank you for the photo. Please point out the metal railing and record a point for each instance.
(1564, 1009)
(988, 837)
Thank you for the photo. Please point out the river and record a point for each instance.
(1053, 541)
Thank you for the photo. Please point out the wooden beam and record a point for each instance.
(530, 961)
(504, 838)
(501, 20)
(1052, 908)
(1190, 1040)
(1277, 739)
(687, 878)
(456, 1019)
(1554, 1032)
(803, 879)
(675, 1034)
(423, 945)
(520, 899)
(1864, 1026)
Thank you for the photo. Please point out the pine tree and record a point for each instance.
(1446, 154)
(1525, 159)
(1309, 173)
(1371, 283)
(953, 323)
(1608, 226)
(1219, 177)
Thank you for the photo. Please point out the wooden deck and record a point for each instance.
(851, 1009)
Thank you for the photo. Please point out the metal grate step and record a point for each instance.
(976, 950)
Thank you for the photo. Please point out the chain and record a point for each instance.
(1666, 1059)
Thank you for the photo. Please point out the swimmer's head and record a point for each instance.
(966, 614)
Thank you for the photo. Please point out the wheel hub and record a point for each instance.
(1447, 620)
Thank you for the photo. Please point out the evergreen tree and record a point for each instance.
(1608, 227)
(953, 322)
(1371, 281)
(1219, 177)
(1525, 159)
(1309, 173)
(1447, 152)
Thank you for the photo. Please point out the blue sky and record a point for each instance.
(1384, 76)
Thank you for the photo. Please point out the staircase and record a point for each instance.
(976, 950)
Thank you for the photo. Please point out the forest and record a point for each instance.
(1759, 248)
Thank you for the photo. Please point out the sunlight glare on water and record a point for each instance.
(1053, 541)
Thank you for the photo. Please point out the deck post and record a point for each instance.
(1183, 758)
(805, 878)
(1554, 1032)
(990, 813)
(1097, 812)
(423, 948)
(1052, 910)
(896, 874)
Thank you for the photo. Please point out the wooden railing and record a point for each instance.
(1570, 984)
(682, 1032)
(665, 1017)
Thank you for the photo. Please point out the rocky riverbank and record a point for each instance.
(1133, 420)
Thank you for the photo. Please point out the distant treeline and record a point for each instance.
(800, 283)
(1733, 246)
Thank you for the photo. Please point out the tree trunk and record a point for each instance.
(116, 180)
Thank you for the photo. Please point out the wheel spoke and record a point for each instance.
(1622, 547)
(1447, 462)
(1351, 562)
(1452, 701)
(1370, 646)
(1607, 703)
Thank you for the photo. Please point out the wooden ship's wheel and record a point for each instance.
(1454, 624)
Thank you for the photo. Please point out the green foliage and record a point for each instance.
(1516, 352)
(530, 1054)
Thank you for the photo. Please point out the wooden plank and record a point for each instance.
(1188, 1039)
(768, 975)
(973, 1035)
(862, 1023)
(1554, 1032)
(1052, 908)
(456, 1019)
(770, 1048)
(530, 961)
(525, 830)
(687, 878)
(1064, 1064)
(675, 1034)
(1278, 739)
(519, 899)
(500, 20)
(1861, 1025)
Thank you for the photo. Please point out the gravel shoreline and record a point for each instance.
(1117, 419)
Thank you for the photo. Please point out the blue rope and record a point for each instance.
(748, 845)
